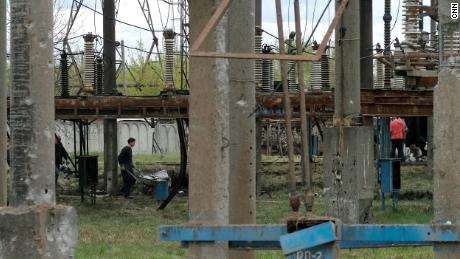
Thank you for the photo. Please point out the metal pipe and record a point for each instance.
(308, 193)
(294, 199)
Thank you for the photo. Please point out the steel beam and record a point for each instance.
(349, 235)
(373, 103)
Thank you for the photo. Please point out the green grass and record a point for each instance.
(118, 228)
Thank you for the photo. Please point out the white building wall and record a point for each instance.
(165, 135)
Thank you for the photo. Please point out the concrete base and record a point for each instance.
(40, 231)
(349, 173)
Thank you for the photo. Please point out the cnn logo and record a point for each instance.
(454, 11)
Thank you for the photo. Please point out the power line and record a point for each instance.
(397, 16)
(119, 21)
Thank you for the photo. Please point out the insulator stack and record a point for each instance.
(451, 44)
(258, 63)
(292, 76)
(89, 70)
(267, 70)
(99, 76)
(325, 78)
(411, 21)
(293, 86)
(398, 80)
(379, 72)
(316, 81)
(387, 42)
(64, 75)
(169, 47)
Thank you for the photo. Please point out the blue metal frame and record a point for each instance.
(385, 169)
(308, 238)
(317, 239)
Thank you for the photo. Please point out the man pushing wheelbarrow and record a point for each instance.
(125, 160)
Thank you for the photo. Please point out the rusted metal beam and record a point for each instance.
(374, 102)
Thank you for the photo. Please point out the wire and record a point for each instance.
(71, 38)
(313, 16)
(119, 21)
(397, 16)
(138, 49)
(306, 22)
(159, 11)
(94, 17)
(289, 16)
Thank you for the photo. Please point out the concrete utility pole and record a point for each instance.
(32, 104)
(34, 227)
(349, 175)
(241, 21)
(110, 126)
(209, 119)
(3, 111)
(446, 121)
(366, 54)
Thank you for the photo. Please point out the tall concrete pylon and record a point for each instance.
(446, 122)
(222, 135)
(349, 175)
(34, 227)
(3, 108)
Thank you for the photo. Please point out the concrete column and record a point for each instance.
(366, 54)
(349, 176)
(110, 156)
(430, 145)
(34, 227)
(209, 138)
(446, 121)
(347, 60)
(32, 103)
(241, 24)
(110, 126)
(3, 111)
(259, 167)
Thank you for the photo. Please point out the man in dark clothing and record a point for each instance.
(125, 160)
(60, 155)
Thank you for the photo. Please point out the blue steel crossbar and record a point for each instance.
(245, 233)
(400, 233)
(352, 236)
(308, 238)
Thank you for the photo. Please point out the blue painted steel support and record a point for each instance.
(308, 238)
(384, 138)
(243, 233)
(300, 244)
